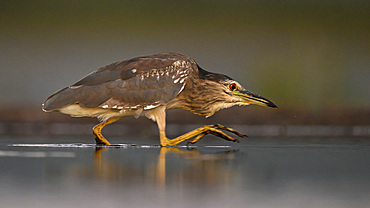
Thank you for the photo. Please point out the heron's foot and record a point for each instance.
(213, 129)
(216, 133)
(200, 133)
(230, 130)
(100, 141)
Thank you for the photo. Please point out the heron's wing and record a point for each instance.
(141, 82)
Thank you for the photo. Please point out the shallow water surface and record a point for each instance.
(258, 172)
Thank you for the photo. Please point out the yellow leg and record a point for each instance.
(218, 133)
(200, 133)
(97, 130)
(160, 117)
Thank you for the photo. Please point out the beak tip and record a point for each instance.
(256, 99)
(271, 105)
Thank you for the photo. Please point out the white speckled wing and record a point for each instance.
(142, 82)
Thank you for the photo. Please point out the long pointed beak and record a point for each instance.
(252, 98)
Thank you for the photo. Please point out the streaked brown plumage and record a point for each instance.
(148, 85)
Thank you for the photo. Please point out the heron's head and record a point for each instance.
(229, 92)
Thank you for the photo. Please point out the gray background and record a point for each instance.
(301, 55)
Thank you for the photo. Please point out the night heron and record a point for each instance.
(148, 86)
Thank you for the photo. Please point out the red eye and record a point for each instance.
(232, 86)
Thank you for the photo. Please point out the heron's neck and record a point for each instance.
(197, 98)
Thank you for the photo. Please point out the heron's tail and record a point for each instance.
(63, 97)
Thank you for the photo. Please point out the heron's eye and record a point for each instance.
(232, 86)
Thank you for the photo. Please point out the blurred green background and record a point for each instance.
(304, 55)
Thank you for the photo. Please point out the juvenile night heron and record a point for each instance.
(148, 86)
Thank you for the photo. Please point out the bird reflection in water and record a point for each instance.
(173, 165)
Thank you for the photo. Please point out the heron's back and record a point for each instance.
(139, 83)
